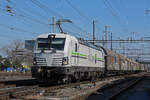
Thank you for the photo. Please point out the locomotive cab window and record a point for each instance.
(54, 43)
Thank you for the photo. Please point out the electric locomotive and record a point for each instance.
(65, 58)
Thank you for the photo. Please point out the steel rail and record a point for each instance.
(123, 90)
(22, 92)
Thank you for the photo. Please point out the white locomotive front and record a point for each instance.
(65, 58)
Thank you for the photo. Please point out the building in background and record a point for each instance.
(24, 56)
(30, 44)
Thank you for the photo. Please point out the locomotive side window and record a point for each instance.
(76, 47)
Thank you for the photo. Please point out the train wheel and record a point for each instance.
(67, 80)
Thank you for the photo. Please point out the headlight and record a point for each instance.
(34, 61)
(40, 70)
(65, 61)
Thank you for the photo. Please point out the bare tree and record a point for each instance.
(14, 46)
(16, 53)
(17, 44)
(11, 52)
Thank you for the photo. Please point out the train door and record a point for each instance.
(73, 48)
(76, 53)
(77, 50)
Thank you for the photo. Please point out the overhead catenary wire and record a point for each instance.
(147, 16)
(68, 27)
(70, 32)
(81, 14)
(9, 37)
(78, 11)
(24, 16)
(31, 12)
(27, 19)
(55, 13)
(31, 19)
(45, 8)
(115, 14)
(75, 33)
(15, 32)
(17, 29)
(107, 3)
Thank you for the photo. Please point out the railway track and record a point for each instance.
(30, 91)
(23, 92)
(4, 76)
(14, 74)
(79, 95)
(3, 85)
(111, 91)
(10, 89)
(16, 83)
(14, 92)
(124, 89)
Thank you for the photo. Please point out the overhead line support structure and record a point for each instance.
(53, 24)
(93, 31)
(111, 48)
(118, 41)
(106, 35)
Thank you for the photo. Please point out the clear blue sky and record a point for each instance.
(32, 17)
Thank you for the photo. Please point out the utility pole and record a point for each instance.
(53, 24)
(103, 42)
(132, 35)
(111, 42)
(124, 50)
(106, 34)
(147, 16)
(93, 32)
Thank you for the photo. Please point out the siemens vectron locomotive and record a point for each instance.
(65, 58)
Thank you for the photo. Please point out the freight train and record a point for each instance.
(65, 58)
